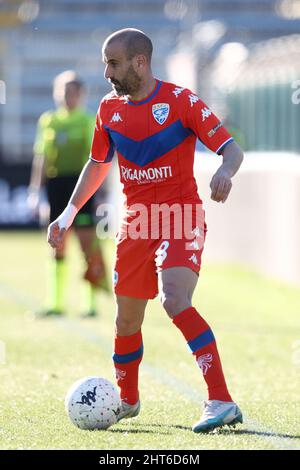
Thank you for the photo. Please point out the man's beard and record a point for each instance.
(129, 85)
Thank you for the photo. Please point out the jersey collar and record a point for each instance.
(149, 97)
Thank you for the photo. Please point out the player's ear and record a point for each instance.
(140, 61)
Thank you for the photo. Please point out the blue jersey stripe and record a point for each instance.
(147, 150)
(125, 358)
(201, 340)
(110, 152)
(155, 91)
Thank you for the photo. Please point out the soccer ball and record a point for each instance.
(93, 403)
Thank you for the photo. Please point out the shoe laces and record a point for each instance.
(211, 407)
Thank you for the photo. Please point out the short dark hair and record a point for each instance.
(135, 42)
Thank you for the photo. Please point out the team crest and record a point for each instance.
(160, 112)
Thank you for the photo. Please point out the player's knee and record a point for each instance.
(126, 326)
(174, 302)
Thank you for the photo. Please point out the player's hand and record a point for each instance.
(33, 201)
(55, 235)
(58, 229)
(220, 186)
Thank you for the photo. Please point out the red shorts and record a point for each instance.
(139, 260)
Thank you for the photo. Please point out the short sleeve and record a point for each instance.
(90, 128)
(102, 149)
(197, 116)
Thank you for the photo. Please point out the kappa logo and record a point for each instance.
(193, 258)
(177, 91)
(117, 411)
(205, 113)
(195, 245)
(160, 112)
(196, 231)
(116, 118)
(204, 362)
(88, 398)
(193, 99)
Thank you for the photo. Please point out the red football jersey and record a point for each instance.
(155, 142)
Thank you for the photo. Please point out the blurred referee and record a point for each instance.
(61, 148)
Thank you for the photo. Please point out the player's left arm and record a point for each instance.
(221, 183)
(197, 116)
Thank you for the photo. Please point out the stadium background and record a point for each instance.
(242, 57)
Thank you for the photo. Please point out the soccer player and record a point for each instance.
(61, 148)
(153, 126)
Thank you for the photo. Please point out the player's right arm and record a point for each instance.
(91, 177)
(37, 176)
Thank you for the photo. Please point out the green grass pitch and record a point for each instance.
(256, 323)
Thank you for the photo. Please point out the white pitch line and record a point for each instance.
(274, 438)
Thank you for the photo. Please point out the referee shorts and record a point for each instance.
(59, 191)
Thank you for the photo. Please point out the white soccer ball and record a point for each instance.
(93, 403)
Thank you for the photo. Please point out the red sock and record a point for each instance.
(128, 353)
(202, 343)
